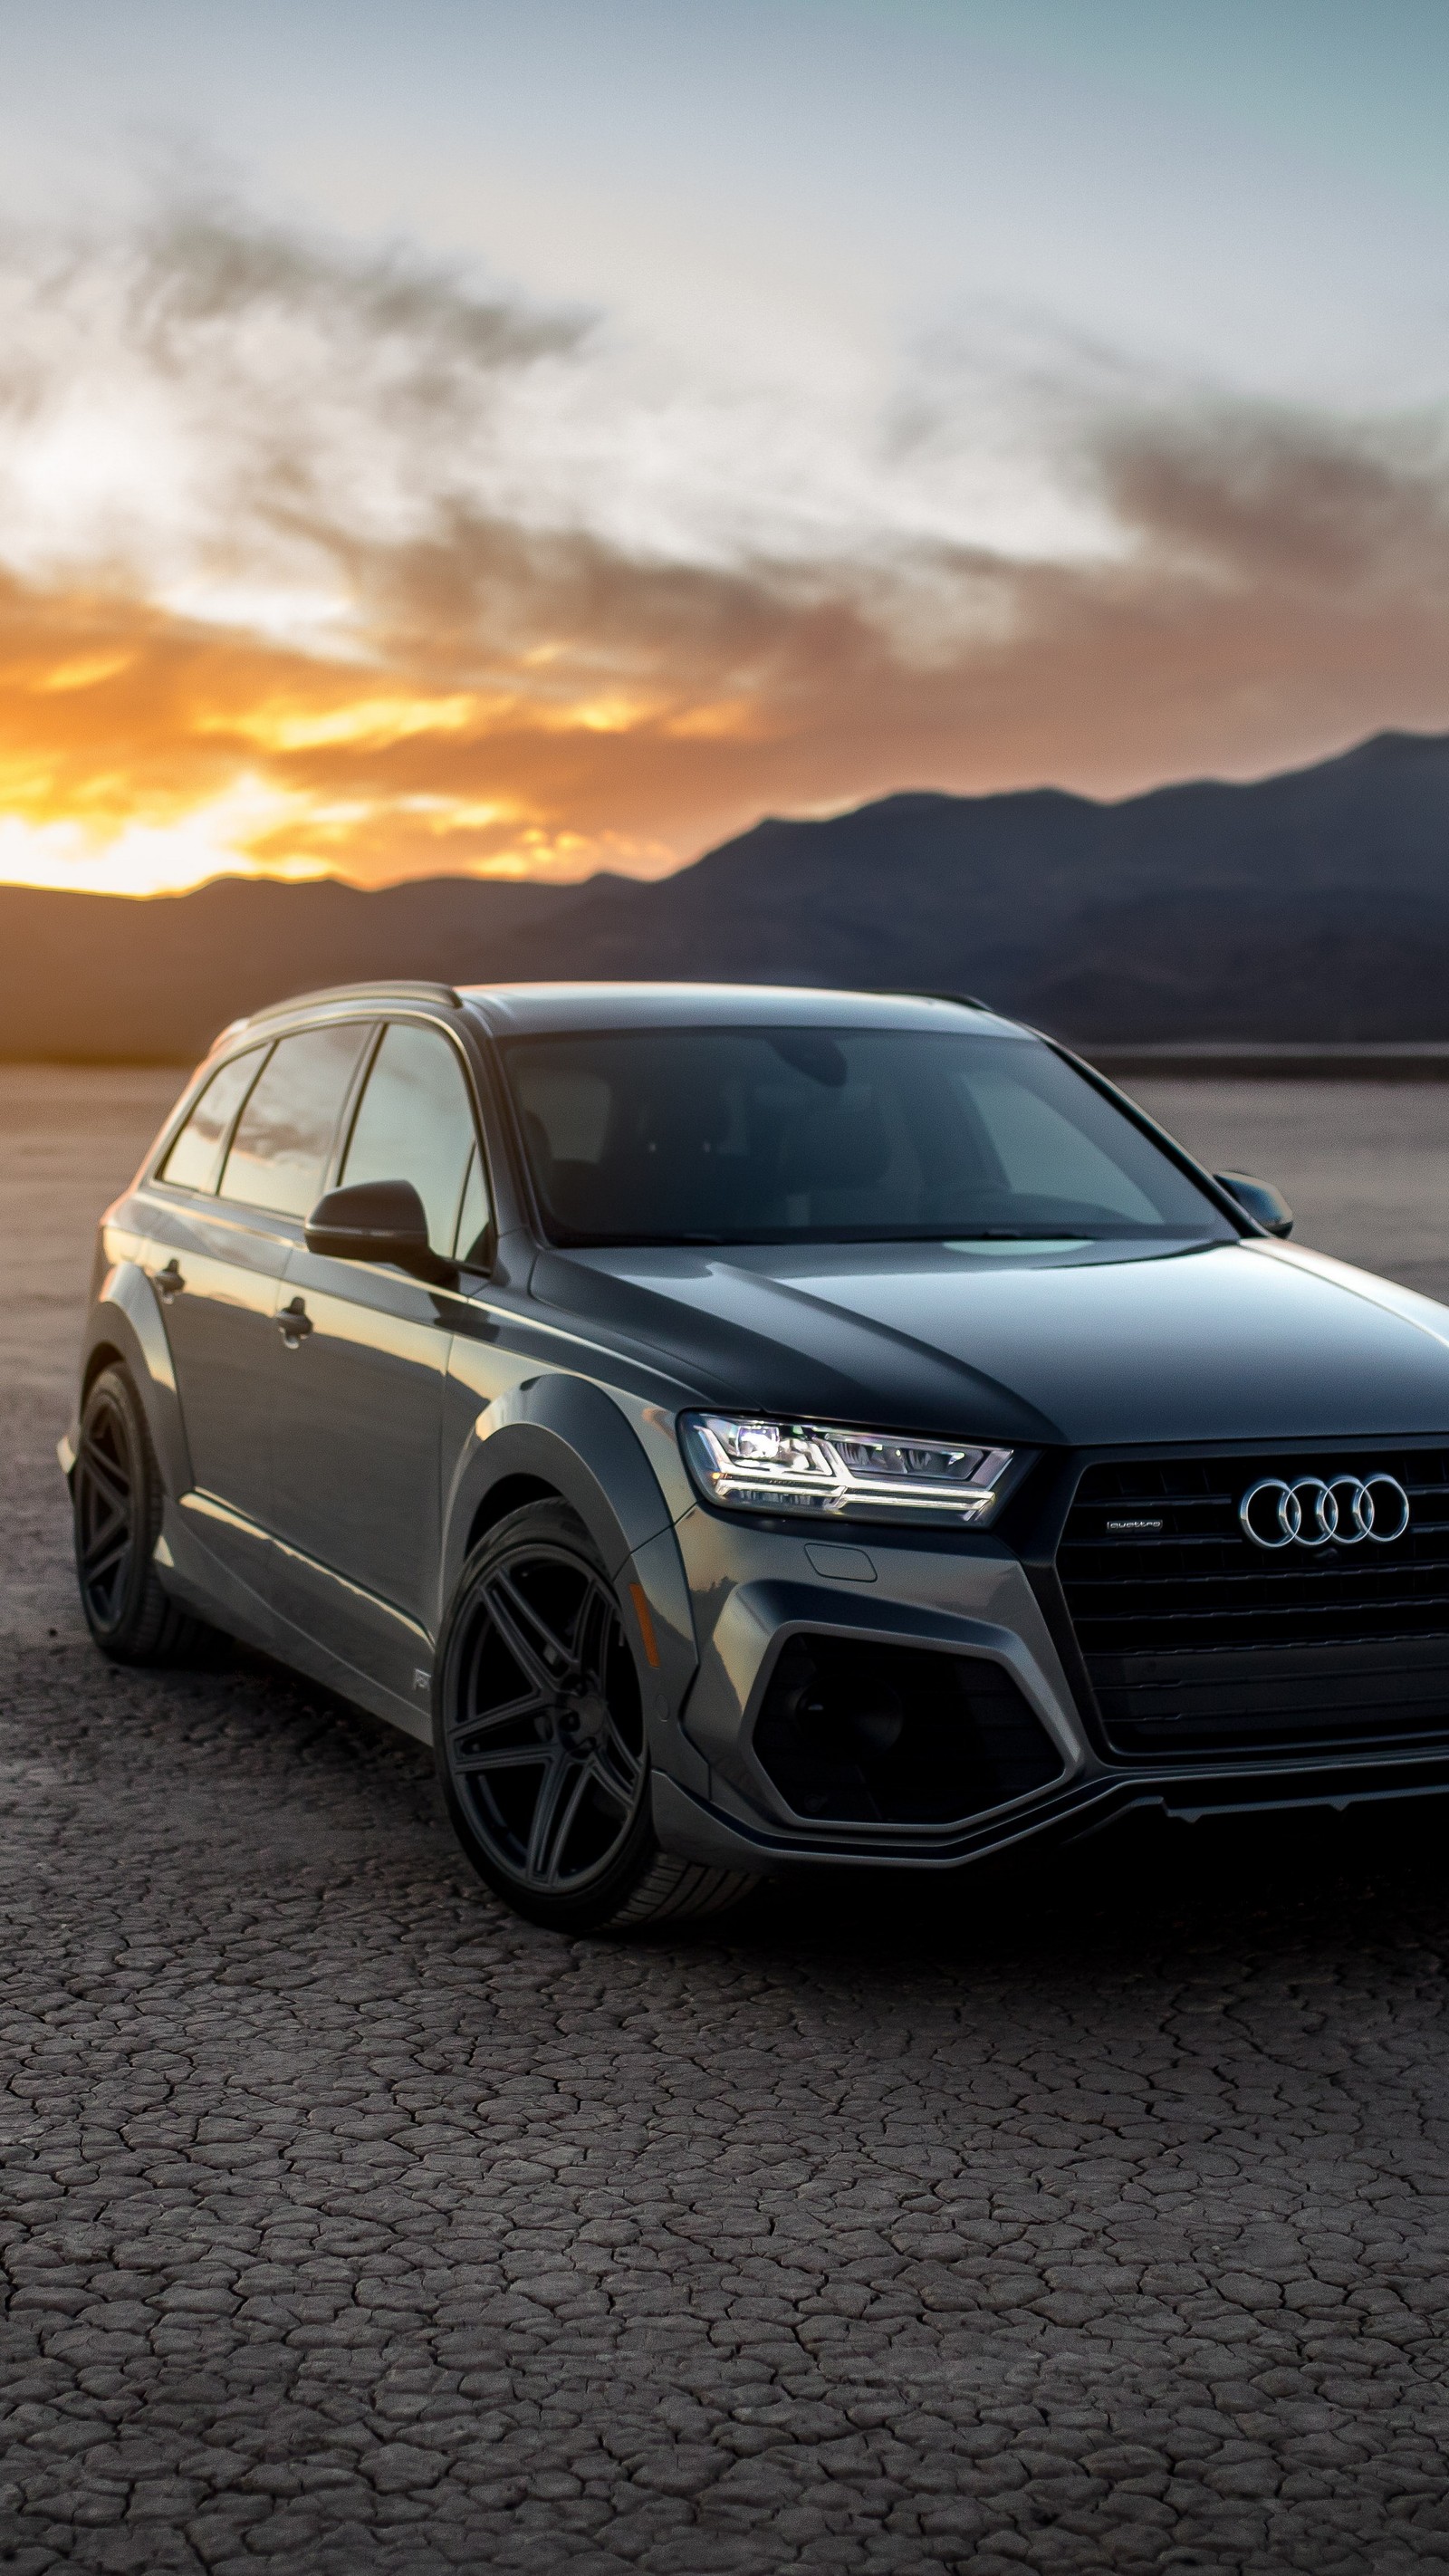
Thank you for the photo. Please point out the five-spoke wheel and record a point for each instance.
(541, 1736)
(545, 1730)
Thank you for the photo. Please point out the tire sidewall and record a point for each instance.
(552, 1525)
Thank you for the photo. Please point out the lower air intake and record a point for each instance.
(897, 1735)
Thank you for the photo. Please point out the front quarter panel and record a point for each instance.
(565, 1432)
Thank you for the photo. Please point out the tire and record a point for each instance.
(116, 1497)
(540, 1738)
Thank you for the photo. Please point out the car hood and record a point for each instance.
(1112, 1344)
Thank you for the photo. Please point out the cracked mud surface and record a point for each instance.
(1093, 2217)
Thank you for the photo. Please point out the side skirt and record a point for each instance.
(197, 1578)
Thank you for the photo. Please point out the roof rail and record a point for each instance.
(383, 989)
(966, 1001)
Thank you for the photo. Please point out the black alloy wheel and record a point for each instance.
(116, 1497)
(541, 1737)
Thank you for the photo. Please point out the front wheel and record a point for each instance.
(541, 1742)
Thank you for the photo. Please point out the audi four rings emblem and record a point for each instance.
(1311, 1511)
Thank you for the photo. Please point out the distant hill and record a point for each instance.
(1312, 906)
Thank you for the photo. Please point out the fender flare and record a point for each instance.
(126, 1318)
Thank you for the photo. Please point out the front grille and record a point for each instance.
(1197, 1641)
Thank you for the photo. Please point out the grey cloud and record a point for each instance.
(1235, 521)
(478, 583)
(204, 262)
(1279, 498)
(257, 335)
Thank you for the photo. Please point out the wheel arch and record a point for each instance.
(103, 1354)
(508, 1494)
(125, 1328)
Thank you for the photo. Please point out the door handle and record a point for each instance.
(295, 1322)
(169, 1280)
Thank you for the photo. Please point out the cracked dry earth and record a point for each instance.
(1092, 2217)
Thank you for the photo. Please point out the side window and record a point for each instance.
(415, 1123)
(278, 1157)
(195, 1156)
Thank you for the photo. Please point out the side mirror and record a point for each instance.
(1260, 1199)
(378, 1221)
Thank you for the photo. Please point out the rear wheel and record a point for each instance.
(116, 1497)
(541, 1742)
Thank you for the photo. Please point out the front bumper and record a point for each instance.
(697, 1830)
(968, 1597)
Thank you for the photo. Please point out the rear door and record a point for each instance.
(357, 1444)
(248, 1161)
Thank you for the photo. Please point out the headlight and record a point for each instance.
(756, 1466)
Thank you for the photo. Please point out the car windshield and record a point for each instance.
(773, 1135)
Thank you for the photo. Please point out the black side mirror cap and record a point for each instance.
(1262, 1201)
(378, 1221)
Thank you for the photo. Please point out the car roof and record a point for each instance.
(558, 1009)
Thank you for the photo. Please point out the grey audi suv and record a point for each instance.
(744, 1429)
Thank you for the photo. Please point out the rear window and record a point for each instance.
(195, 1156)
(283, 1141)
(809, 1134)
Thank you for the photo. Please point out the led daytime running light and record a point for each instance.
(753, 1464)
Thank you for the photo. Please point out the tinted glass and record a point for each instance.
(195, 1156)
(279, 1154)
(769, 1135)
(415, 1123)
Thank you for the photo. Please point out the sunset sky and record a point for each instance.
(528, 436)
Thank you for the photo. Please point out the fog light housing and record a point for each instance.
(851, 1732)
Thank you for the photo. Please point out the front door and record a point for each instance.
(357, 1445)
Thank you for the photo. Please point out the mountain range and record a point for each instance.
(1310, 907)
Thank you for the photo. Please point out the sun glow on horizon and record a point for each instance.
(142, 754)
(108, 835)
(146, 858)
